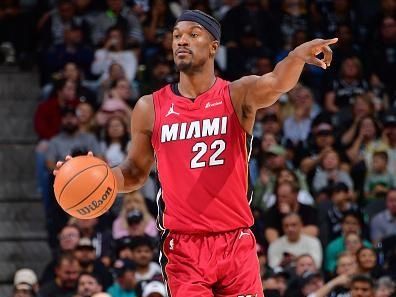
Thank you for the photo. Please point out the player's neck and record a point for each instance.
(192, 85)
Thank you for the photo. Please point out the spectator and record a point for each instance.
(310, 282)
(25, 283)
(114, 51)
(381, 55)
(116, 141)
(296, 127)
(52, 25)
(330, 173)
(379, 180)
(389, 134)
(71, 71)
(86, 256)
(349, 84)
(70, 141)
(339, 285)
(367, 262)
(362, 286)
(48, 116)
(115, 103)
(251, 13)
(294, 18)
(323, 140)
(276, 283)
(116, 72)
(351, 222)
(353, 243)
(134, 201)
(98, 234)
(384, 287)
(125, 284)
(264, 196)
(86, 118)
(384, 223)
(159, 20)
(366, 141)
(286, 203)
(117, 14)
(242, 58)
(68, 239)
(305, 263)
(72, 49)
(143, 256)
(88, 285)
(154, 289)
(65, 284)
(341, 202)
(284, 250)
(362, 107)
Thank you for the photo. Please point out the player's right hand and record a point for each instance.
(60, 163)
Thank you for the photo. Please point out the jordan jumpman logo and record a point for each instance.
(172, 111)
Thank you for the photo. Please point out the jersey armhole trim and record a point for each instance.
(233, 111)
(154, 136)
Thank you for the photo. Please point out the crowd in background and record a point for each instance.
(323, 163)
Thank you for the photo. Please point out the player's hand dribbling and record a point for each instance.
(67, 158)
(309, 51)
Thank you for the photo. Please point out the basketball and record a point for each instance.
(85, 187)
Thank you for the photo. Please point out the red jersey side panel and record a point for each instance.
(202, 161)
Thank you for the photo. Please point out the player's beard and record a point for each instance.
(189, 66)
(183, 66)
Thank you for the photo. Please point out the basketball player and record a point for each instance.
(198, 132)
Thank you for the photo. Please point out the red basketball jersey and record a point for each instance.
(202, 155)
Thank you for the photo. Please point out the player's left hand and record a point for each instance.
(309, 51)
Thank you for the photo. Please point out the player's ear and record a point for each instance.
(213, 47)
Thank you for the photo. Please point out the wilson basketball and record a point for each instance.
(85, 187)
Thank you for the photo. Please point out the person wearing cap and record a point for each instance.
(197, 130)
(86, 256)
(323, 140)
(125, 284)
(310, 282)
(154, 289)
(25, 283)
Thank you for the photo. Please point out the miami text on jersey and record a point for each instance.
(195, 129)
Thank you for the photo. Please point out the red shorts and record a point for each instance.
(207, 265)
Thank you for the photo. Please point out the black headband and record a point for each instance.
(205, 20)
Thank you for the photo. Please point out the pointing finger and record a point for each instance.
(331, 41)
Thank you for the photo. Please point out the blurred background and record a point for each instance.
(323, 163)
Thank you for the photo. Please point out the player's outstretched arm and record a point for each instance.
(132, 173)
(256, 92)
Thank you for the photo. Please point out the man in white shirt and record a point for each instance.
(285, 249)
